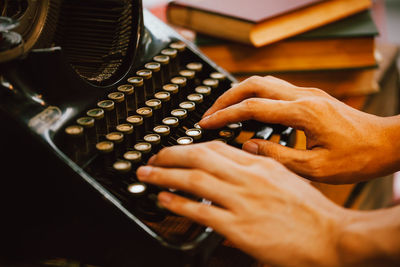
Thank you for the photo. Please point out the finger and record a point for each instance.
(237, 155)
(196, 182)
(297, 160)
(208, 215)
(256, 86)
(201, 157)
(264, 110)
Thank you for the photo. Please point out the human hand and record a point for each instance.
(261, 207)
(344, 145)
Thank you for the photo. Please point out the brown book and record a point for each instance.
(259, 22)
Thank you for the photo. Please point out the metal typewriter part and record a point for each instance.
(95, 89)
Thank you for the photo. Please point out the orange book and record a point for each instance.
(259, 22)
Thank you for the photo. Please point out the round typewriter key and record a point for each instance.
(75, 144)
(203, 90)
(172, 123)
(127, 130)
(139, 90)
(155, 67)
(88, 123)
(163, 131)
(196, 66)
(118, 139)
(122, 169)
(165, 98)
(173, 90)
(236, 127)
(129, 92)
(154, 140)
(110, 113)
(197, 126)
(218, 76)
(190, 77)
(220, 140)
(148, 81)
(213, 83)
(194, 133)
(147, 114)
(174, 64)
(179, 45)
(186, 140)
(134, 157)
(196, 98)
(144, 148)
(120, 105)
(179, 113)
(181, 82)
(227, 135)
(137, 122)
(106, 154)
(190, 107)
(100, 121)
(155, 105)
(164, 61)
(137, 189)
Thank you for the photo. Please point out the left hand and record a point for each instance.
(261, 207)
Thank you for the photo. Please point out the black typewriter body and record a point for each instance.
(57, 204)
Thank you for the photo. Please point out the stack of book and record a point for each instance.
(329, 44)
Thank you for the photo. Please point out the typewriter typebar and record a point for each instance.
(100, 87)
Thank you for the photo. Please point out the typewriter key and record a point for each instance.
(147, 76)
(134, 157)
(163, 131)
(213, 83)
(75, 145)
(190, 77)
(129, 93)
(173, 90)
(123, 170)
(155, 67)
(172, 123)
(118, 139)
(218, 76)
(129, 136)
(155, 105)
(110, 113)
(137, 122)
(179, 46)
(145, 149)
(173, 64)
(137, 189)
(195, 133)
(195, 66)
(164, 61)
(154, 140)
(106, 154)
(100, 121)
(185, 140)
(227, 135)
(120, 105)
(165, 98)
(236, 127)
(89, 131)
(147, 114)
(181, 82)
(139, 90)
(190, 107)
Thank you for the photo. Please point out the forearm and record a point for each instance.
(370, 238)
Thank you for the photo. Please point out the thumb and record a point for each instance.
(296, 160)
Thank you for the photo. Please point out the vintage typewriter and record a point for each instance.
(89, 90)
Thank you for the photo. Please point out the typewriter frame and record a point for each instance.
(33, 112)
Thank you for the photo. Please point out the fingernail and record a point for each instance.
(151, 159)
(164, 198)
(251, 147)
(144, 171)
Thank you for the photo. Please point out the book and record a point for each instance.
(346, 44)
(259, 22)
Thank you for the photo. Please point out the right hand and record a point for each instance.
(344, 145)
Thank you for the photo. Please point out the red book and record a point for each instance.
(259, 22)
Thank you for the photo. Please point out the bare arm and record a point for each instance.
(269, 212)
(344, 145)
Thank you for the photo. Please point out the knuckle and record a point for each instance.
(197, 153)
(249, 105)
(195, 179)
(213, 145)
